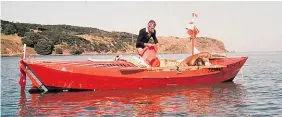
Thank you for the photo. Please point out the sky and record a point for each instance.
(242, 26)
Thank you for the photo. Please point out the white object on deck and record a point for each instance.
(99, 60)
(196, 51)
(138, 61)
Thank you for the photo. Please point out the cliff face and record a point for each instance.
(11, 45)
(183, 45)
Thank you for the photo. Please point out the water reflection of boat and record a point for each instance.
(150, 102)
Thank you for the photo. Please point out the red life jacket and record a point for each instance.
(149, 54)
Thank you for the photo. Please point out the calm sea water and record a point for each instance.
(256, 91)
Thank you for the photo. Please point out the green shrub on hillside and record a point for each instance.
(55, 38)
(31, 38)
(76, 50)
(58, 50)
(9, 29)
(43, 47)
(21, 29)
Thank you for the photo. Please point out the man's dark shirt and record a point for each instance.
(144, 37)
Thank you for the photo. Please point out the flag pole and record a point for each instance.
(193, 31)
(192, 45)
(193, 34)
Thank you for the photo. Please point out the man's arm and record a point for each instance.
(140, 37)
(155, 38)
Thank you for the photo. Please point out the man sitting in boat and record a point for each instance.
(145, 34)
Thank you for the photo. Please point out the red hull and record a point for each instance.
(88, 76)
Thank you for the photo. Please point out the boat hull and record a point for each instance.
(87, 76)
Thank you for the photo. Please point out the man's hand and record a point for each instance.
(156, 46)
(148, 44)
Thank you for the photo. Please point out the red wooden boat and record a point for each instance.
(116, 74)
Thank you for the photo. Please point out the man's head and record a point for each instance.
(151, 25)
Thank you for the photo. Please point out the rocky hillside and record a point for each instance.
(183, 45)
(66, 39)
(11, 45)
